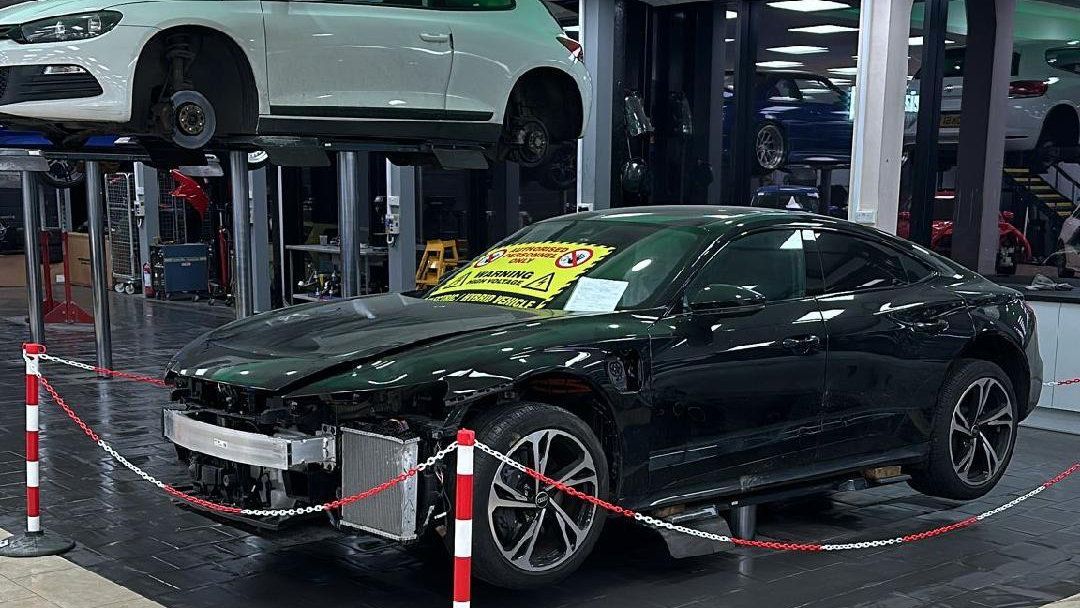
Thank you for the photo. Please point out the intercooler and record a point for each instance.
(367, 460)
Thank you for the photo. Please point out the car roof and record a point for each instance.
(713, 218)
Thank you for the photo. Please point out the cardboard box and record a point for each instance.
(79, 253)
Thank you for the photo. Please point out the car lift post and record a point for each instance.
(403, 185)
(260, 241)
(241, 228)
(348, 210)
(99, 278)
(744, 521)
(31, 230)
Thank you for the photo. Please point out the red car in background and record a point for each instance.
(1013, 248)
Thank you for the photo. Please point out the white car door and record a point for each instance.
(357, 59)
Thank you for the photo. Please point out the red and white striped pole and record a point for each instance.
(33, 471)
(463, 508)
(35, 542)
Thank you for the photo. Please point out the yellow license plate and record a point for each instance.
(950, 121)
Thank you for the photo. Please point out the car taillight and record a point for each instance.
(575, 48)
(1019, 89)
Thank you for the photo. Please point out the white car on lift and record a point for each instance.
(496, 73)
(1044, 97)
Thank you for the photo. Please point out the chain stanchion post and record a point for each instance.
(463, 508)
(35, 542)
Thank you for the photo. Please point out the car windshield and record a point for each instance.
(599, 264)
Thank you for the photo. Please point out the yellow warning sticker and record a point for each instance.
(522, 275)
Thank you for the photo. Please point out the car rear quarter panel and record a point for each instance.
(493, 49)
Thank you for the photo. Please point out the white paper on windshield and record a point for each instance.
(596, 295)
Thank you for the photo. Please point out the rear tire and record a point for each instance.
(973, 435)
(537, 535)
(770, 148)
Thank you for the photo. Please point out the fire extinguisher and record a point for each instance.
(148, 287)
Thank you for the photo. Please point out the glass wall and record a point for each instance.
(1041, 131)
(677, 132)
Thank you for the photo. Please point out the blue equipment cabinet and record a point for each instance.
(179, 269)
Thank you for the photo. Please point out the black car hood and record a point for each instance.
(276, 350)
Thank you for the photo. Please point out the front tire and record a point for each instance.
(526, 534)
(974, 433)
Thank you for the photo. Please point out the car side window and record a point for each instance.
(784, 89)
(473, 5)
(852, 263)
(393, 3)
(1067, 59)
(816, 91)
(772, 263)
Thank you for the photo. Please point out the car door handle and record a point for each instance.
(435, 37)
(802, 344)
(930, 327)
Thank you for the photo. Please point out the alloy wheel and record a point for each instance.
(537, 527)
(980, 436)
(769, 147)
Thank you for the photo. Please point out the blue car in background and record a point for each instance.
(800, 119)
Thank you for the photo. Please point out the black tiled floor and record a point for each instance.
(137, 538)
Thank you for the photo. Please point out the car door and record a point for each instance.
(828, 112)
(893, 328)
(738, 396)
(782, 104)
(350, 59)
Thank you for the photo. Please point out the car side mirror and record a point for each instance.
(726, 299)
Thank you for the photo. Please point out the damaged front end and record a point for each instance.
(253, 449)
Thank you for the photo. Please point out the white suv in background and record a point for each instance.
(497, 73)
(1044, 97)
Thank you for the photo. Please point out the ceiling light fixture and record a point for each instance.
(824, 29)
(778, 64)
(844, 71)
(731, 14)
(808, 6)
(798, 49)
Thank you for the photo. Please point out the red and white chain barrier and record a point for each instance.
(1062, 382)
(464, 447)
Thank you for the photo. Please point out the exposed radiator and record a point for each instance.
(367, 460)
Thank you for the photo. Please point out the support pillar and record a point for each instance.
(31, 230)
(241, 226)
(743, 134)
(924, 159)
(99, 273)
(597, 20)
(260, 241)
(504, 199)
(716, 194)
(981, 154)
(148, 198)
(403, 194)
(878, 140)
(348, 213)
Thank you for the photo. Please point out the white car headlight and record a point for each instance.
(66, 28)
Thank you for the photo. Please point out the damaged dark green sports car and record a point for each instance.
(668, 359)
